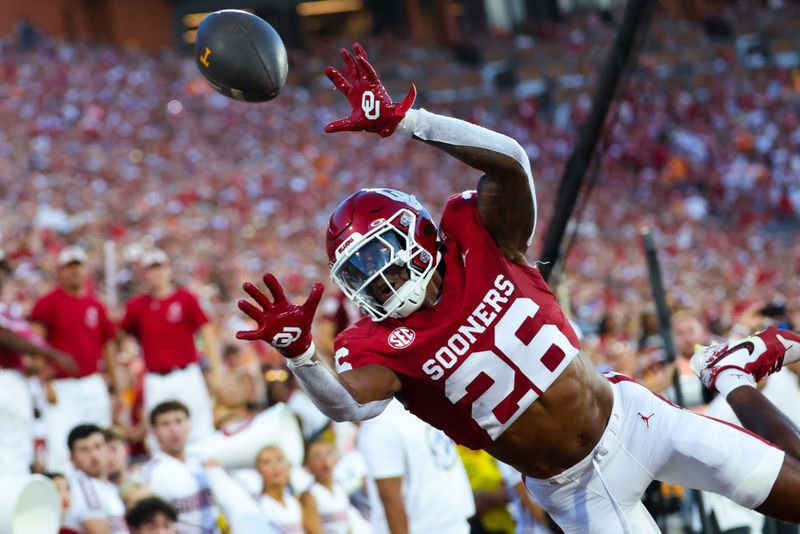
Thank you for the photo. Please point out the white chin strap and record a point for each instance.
(408, 299)
(410, 296)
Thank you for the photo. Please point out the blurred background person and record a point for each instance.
(117, 457)
(282, 509)
(418, 483)
(492, 499)
(164, 321)
(64, 493)
(240, 390)
(178, 477)
(95, 507)
(17, 339)
(74, 321)
(325, 499)
(152, 516)
(689, 332)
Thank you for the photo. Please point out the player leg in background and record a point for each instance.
(732, 369)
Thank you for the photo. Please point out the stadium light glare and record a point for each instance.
(328, 7)
(193, 20)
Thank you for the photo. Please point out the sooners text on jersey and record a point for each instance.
(495, 341)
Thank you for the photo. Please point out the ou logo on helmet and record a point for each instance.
(370, 105)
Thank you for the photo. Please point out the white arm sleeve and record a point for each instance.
(330, 396)
(437, 128)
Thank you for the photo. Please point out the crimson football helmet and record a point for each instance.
(383, 249)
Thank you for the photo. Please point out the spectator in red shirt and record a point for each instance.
(72, 320)
(164, 321)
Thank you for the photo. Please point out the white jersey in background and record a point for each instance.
(286, 518)
(93, 498)
(185, 486)
(436, 491)
(333, 507)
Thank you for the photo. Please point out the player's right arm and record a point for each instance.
(506, 194)
(354, 395)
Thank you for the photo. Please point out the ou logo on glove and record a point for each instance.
(286, 337)
(370, 106)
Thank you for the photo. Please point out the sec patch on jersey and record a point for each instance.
(241, 55)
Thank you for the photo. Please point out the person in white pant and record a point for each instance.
(164, 321)
(16, 408)
(418, 483)
(96, 507)
(72, 320)
(178, 477)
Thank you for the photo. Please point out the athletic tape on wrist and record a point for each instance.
(305, 358)
(730, 379)
(409, 122)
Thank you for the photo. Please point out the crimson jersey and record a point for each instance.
(494, 342)
(165, 328)
(78, 326)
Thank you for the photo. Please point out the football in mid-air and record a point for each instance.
(241, 55)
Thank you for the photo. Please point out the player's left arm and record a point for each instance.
(506, 194)
(733, 369)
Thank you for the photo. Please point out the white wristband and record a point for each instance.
(303, 359)
(409, 123)
(730, 379)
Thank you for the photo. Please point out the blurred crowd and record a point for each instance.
(124, 177)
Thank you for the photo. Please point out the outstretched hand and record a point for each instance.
(284, 325)
(373, 109)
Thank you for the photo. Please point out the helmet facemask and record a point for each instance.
(386, 272)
